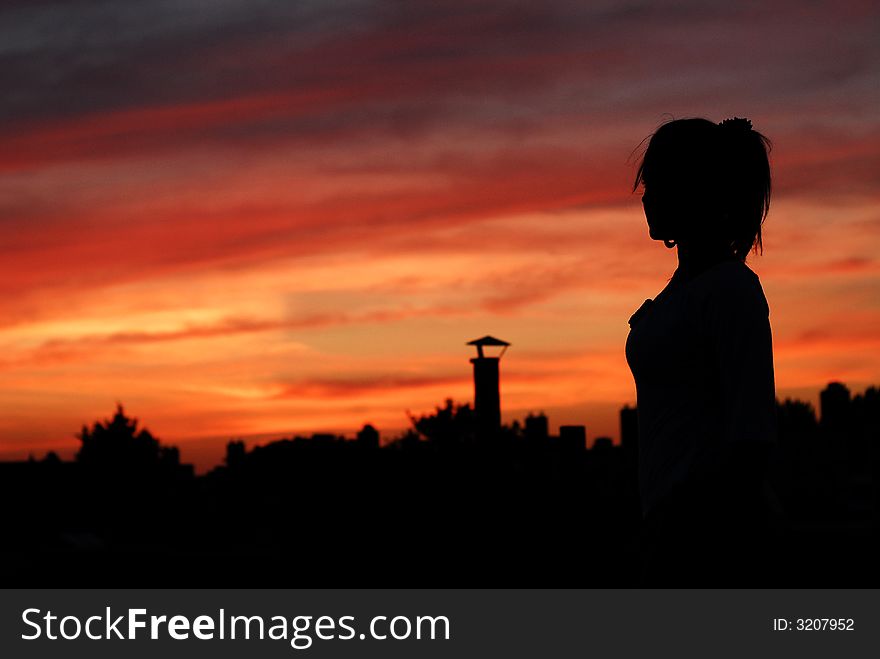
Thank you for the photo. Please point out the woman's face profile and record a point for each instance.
(675, 204)
(663, 202)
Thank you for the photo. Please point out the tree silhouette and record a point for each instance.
(118, 443)
(449, 425)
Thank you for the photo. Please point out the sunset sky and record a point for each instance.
(245, 218)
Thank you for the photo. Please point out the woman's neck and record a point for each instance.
(694, 258)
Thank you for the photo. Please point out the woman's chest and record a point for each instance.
(666, 342)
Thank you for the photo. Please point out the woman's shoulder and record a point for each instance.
(732, 284)
(731, 273)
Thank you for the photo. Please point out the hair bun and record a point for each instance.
(737, 124)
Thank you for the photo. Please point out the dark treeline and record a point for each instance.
(443, 505)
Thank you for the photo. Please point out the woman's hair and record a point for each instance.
(720, 166)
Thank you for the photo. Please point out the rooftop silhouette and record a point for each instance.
(525, 508)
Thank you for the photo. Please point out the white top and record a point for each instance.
(702, 358)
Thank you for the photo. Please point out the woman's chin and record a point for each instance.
(657, 235)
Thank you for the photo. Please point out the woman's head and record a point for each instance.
(706, 183)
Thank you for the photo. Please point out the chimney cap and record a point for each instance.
(487, 341)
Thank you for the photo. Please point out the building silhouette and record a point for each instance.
(535, 510)
(573, 439)
(487, 391)
(536, 428)
(629, 428)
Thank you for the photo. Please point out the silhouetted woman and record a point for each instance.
(701, 356)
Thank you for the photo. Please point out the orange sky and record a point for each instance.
(290, 217)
